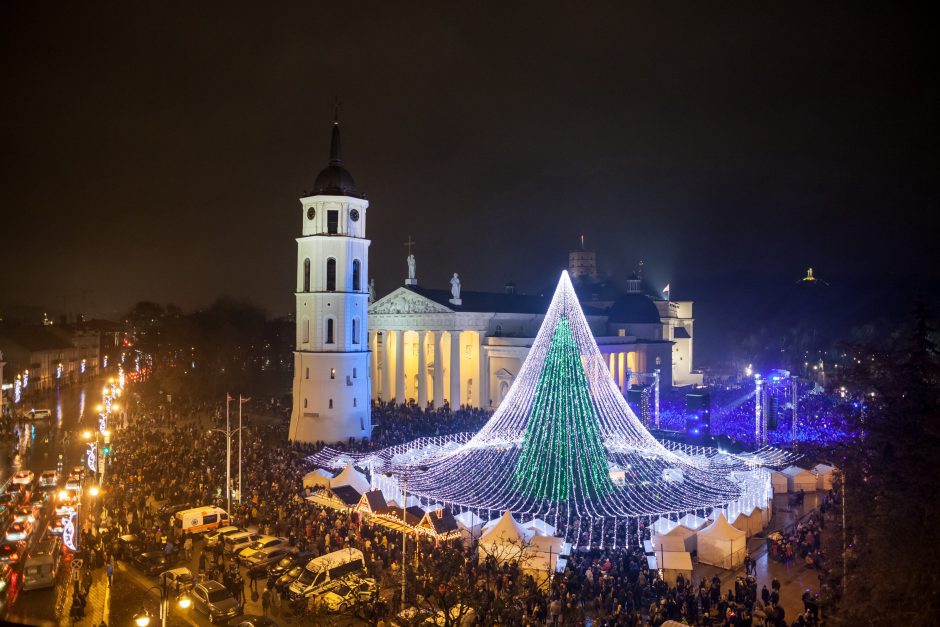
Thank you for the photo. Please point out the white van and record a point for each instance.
(40, 414)
(200, 519)
(322, 573)
(235, 542)
(42, 564)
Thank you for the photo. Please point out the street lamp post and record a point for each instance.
(142, 618)
(229, 433)
(404, 528)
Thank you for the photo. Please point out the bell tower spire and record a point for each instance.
(332, 386)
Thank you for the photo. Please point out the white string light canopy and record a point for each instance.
(564, 445)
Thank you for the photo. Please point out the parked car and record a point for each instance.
(23, 477)
(235, 542)
(259, 562)
(216, 535)
(18, 531)
(263, 542)
(11, 552)
(24, 514)
(215, 601)
(39, 414)
(288, 562)
(284, 581)
(152, 562)
(49, 479)
(350, 593)
(177, 579)
(129, 545)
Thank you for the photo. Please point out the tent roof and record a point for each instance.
(662, 526)
(719, 529)
(468, 519)
(793, 471)
(506, 530)
(823, 468)
(351, 477)
(540, 527)
(675, 560)
(693, 522)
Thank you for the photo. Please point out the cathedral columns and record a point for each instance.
(615, 369)
(373, 337)
(455, 370)
(388, 381)
(484, 376)
(400, 367)
(438, 339)
(422, 371)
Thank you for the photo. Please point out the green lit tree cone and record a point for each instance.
(562, 453)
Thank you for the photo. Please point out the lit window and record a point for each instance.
(356, 271)
(332, 373)
(330, 275)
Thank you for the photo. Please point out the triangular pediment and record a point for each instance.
(404, 301)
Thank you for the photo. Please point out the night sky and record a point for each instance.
(158, 151)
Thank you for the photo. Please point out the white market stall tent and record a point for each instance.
(470, 525)
(799, 479)
(318, 478)
(673, 563)
(720, 544)
(750, 522)
(680, 538)
(506, 540)
(503, 538)
(824, 474)
(779, 481)
(353, 478)
(693, 522)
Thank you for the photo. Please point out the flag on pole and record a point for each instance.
(666, 291)
(228, 398)
(243, 399)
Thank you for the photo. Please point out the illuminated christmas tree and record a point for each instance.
(562, 452)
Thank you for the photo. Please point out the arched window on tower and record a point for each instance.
(305, 331)
(356, 270)
(330, 275)
(306, 275)
(329, 331)
(355, 330)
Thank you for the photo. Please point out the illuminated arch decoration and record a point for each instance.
(68, 532)
(564, 445)
(91, 457)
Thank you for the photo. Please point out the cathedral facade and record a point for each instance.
(434, 346)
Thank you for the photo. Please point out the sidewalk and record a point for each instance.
(794, 577)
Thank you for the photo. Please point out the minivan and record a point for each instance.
(42, 564)
(322, 573)
(237, 541)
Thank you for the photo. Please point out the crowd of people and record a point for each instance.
(158, 461)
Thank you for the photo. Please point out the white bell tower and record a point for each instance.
(332, 390)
